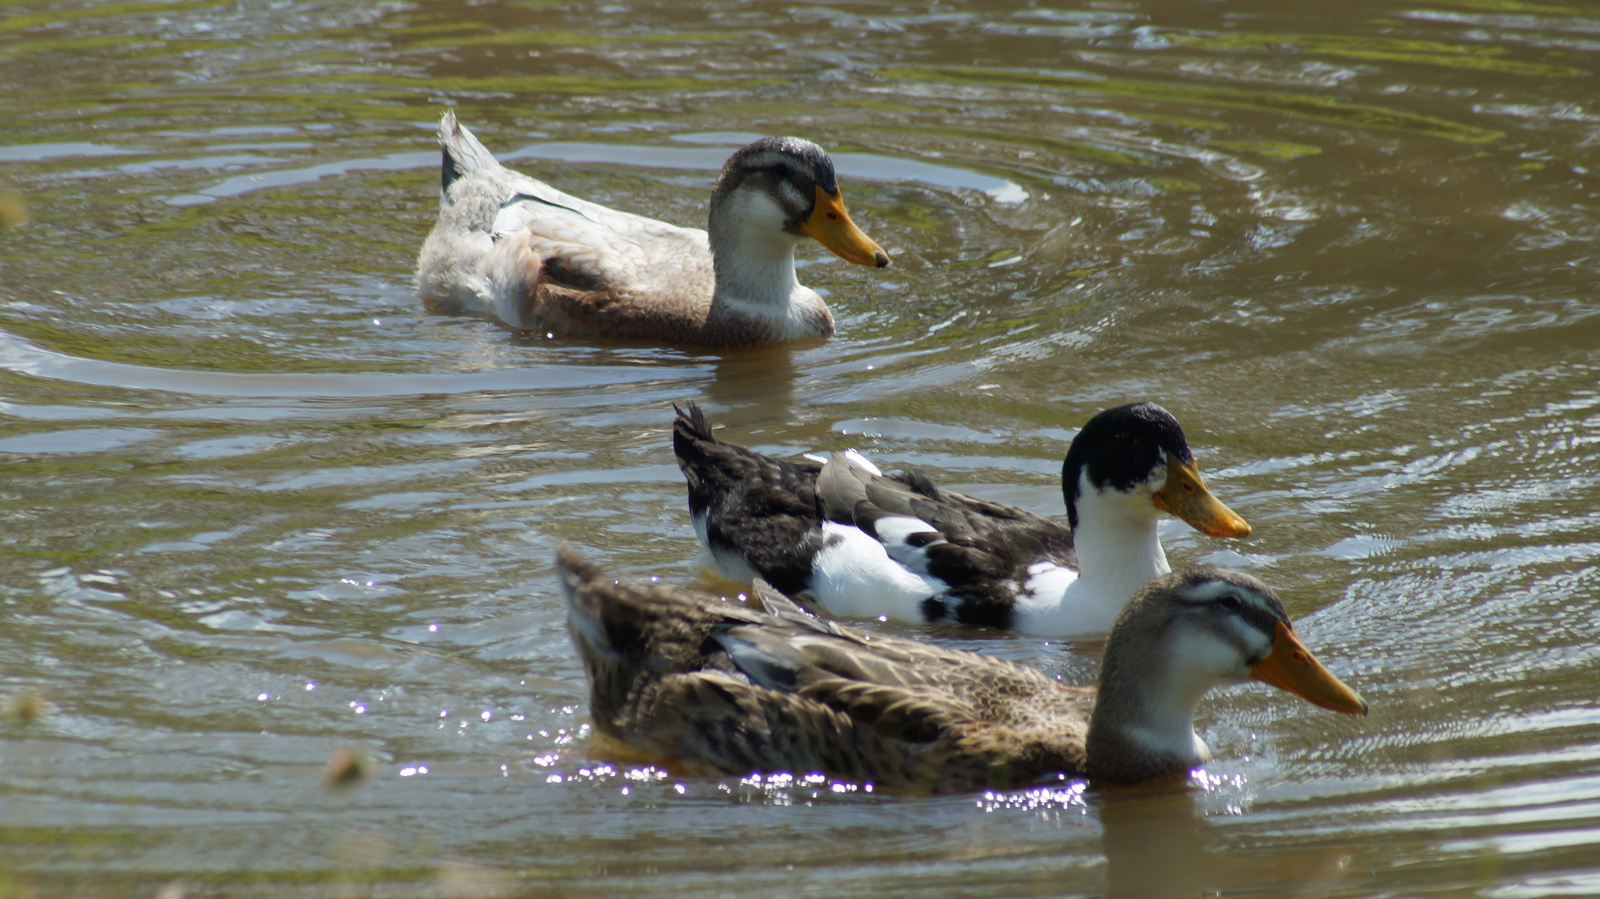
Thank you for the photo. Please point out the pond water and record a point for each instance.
(262, 506)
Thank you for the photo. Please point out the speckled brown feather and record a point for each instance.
(865, 707)
(734, 689)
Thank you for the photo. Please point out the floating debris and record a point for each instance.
(348, 766)
(25, 708)
(13, 212)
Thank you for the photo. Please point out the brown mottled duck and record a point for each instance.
(733, 689)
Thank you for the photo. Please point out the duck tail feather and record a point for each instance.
(585, 603)
(462, 153)
(691, 423)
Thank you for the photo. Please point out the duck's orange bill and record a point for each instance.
(1292, 667)
(829, 224)
(1187, 496)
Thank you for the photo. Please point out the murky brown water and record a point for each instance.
(259, 503)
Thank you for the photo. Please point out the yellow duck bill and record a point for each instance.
(829, 224)
(1292, 667)
(1186, 496)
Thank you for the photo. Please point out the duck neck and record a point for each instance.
(1142, 725)
(752, 255)
(755, 282)
(1118, 547)
(754, 269)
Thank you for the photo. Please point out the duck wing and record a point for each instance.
(537, 256)
(583, 246)
(738, 690)
(983, 550)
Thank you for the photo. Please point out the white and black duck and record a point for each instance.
(861, 543)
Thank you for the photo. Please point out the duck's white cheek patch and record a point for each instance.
(791, 194)
(853, 575)
(1158, 475)
(1208, 660)
(757, 211)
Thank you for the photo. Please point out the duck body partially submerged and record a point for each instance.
(536, 258)
(864, 544)
(733, 689)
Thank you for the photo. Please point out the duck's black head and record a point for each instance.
(1121, 448)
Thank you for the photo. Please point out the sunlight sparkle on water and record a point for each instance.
(596, 774)
(1209, 782)
(1066, 797)
(784, 789)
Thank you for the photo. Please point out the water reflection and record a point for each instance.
(1158, 843)
(760, 380)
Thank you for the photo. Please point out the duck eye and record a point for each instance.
(1230, 602)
